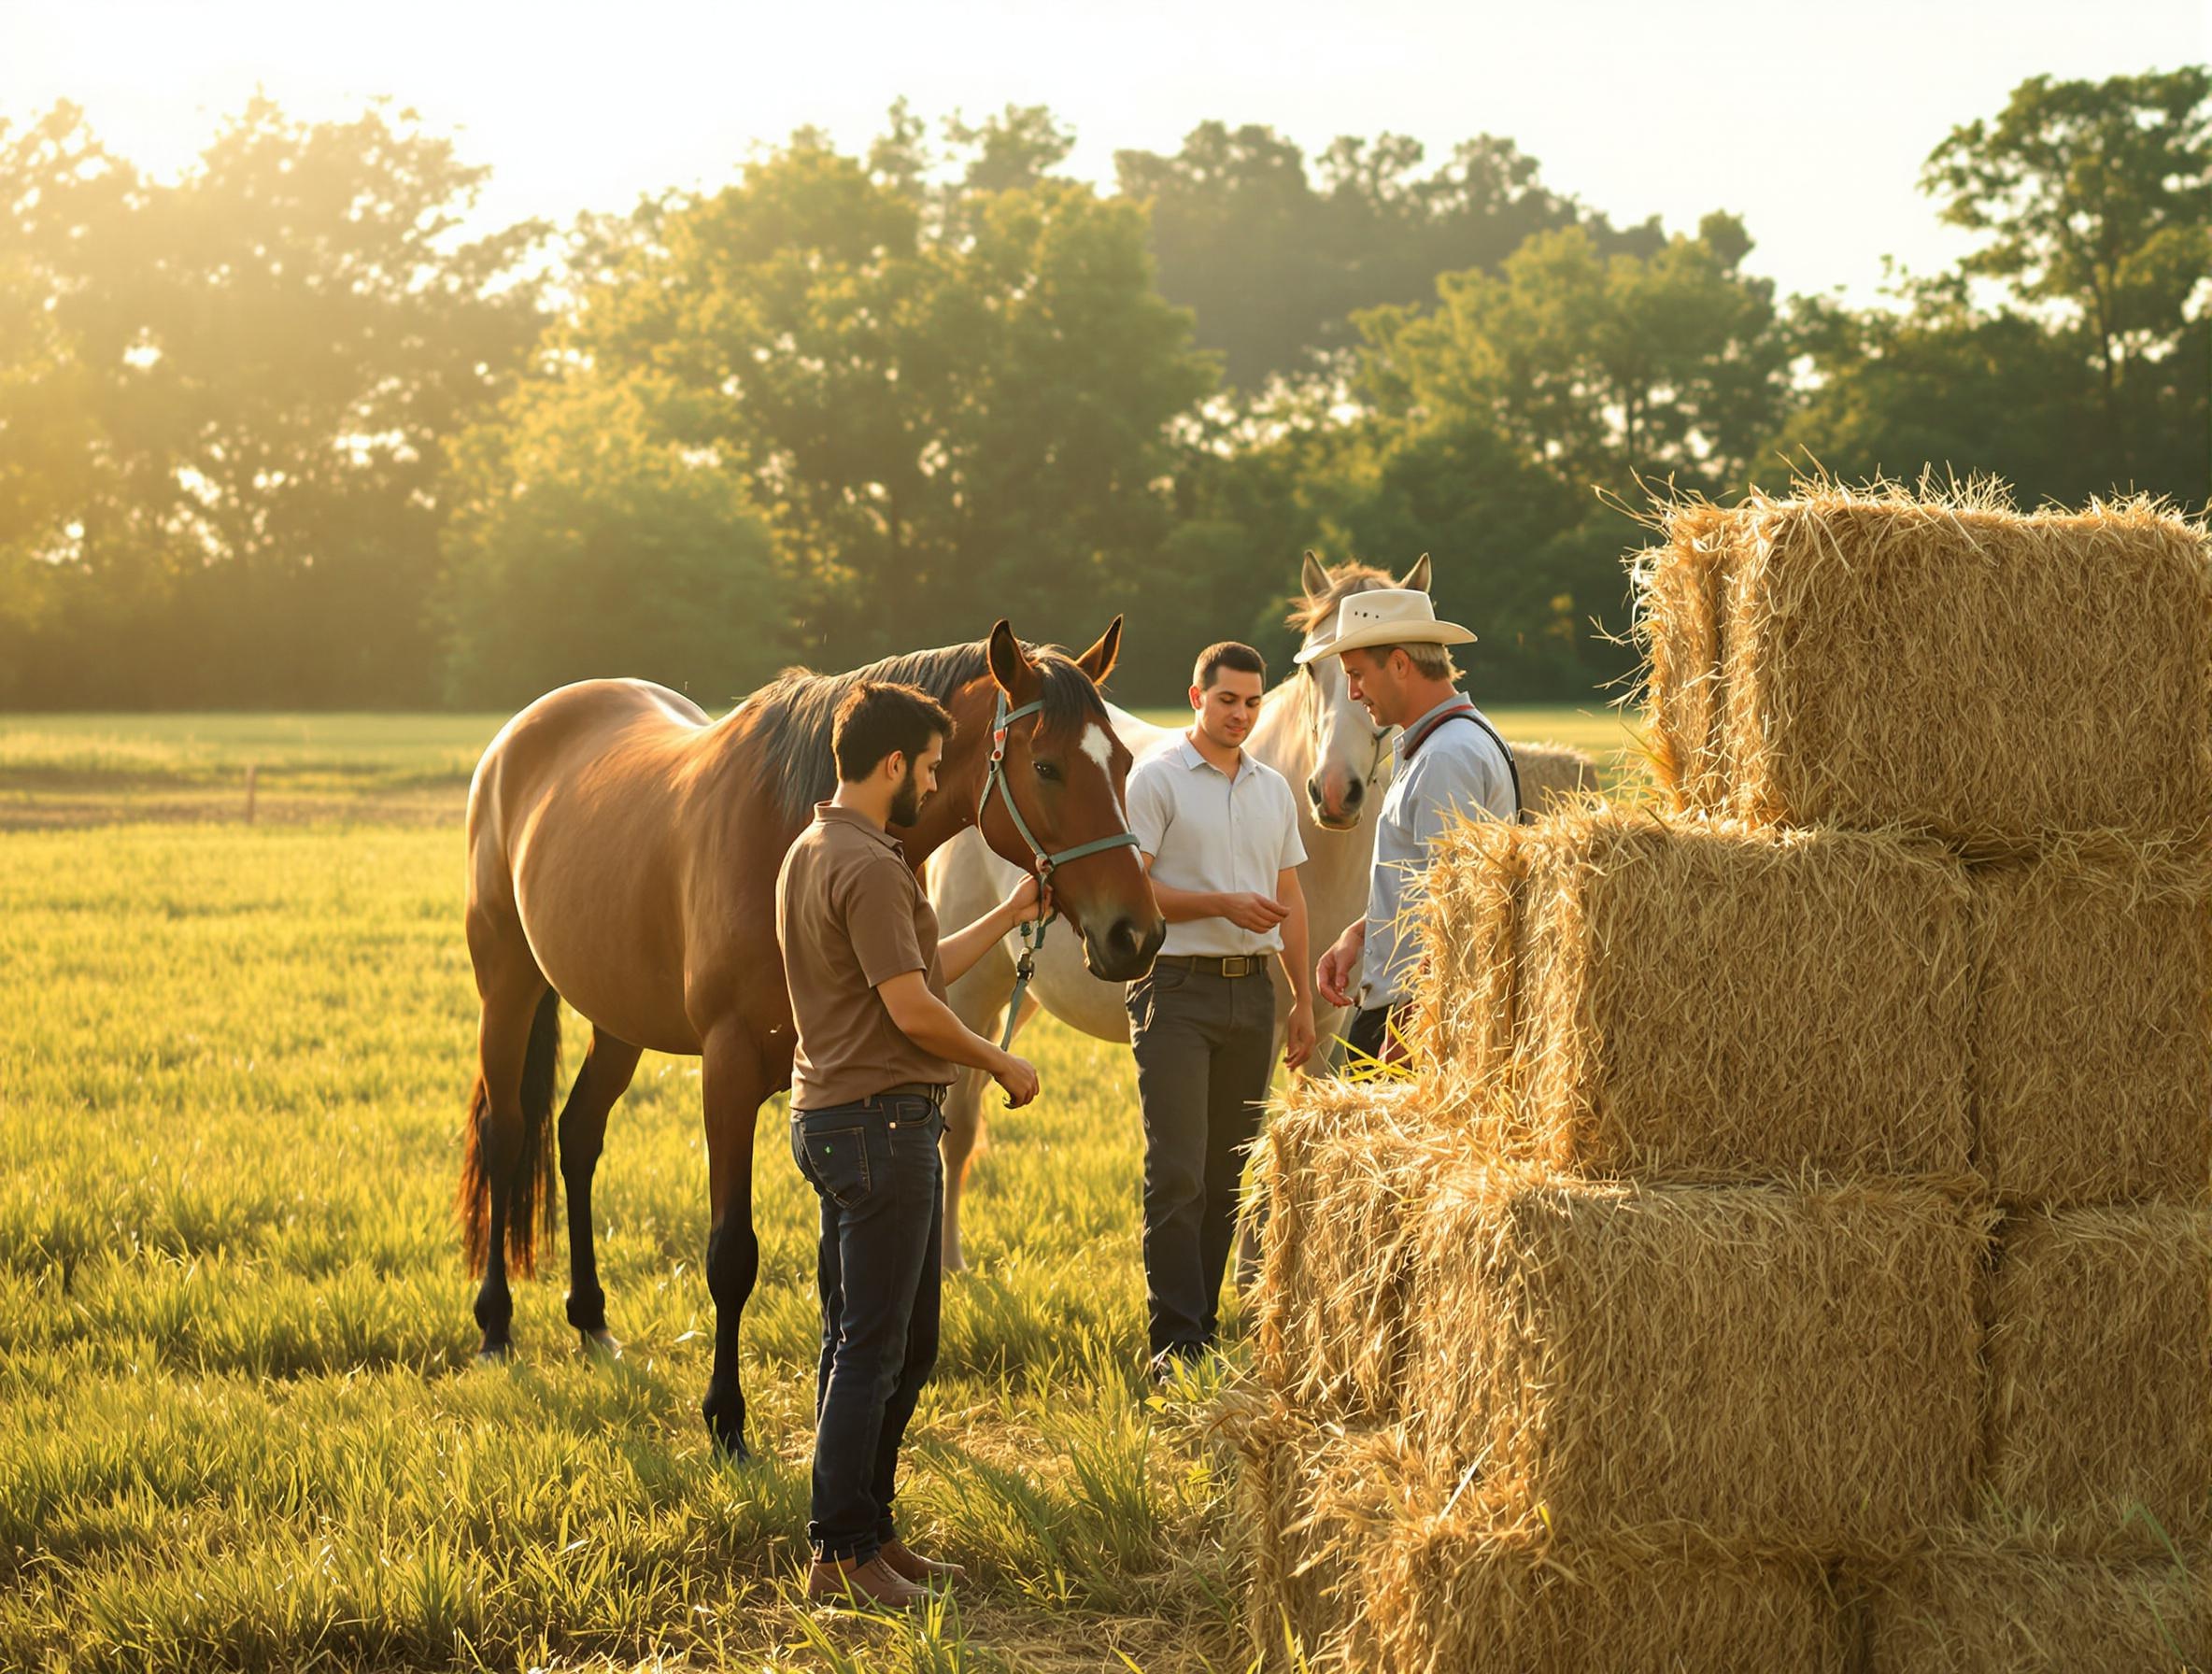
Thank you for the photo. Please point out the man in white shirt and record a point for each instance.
(1451, 764)
(1219, 833)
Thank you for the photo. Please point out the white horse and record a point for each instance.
(1308, 730)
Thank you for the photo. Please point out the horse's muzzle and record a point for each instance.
(1335, 801)
(1124, 951)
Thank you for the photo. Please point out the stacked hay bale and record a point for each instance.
(1794, 1250)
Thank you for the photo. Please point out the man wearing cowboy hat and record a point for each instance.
(1451, 763)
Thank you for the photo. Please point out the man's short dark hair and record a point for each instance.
(878, 717)
(1228, 654)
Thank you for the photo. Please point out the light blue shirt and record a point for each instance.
(1206, 831)
(1458, 772)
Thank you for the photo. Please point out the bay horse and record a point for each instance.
(622, 855)
(1308, 730)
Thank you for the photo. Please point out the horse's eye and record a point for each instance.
(1046, 771)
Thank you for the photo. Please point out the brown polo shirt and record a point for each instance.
(850, 913)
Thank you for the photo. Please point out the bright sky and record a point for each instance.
(1811, 121)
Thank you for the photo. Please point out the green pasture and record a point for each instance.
(71, 769)
(240, 1425)
(240, 1422)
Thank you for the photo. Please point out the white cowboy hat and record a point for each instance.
(1386, 616)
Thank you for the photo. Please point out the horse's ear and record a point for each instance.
(1097, 662)
(1417, 578)
(1314, 579)
(1009, 661)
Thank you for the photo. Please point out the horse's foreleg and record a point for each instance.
(979, 998)
(963, 1127)
(734, 1081)
(608, 1065)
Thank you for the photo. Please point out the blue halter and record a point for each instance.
(1033, 931)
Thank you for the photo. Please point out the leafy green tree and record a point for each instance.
(1606, 369)
(1939, 383)
(943, 424)
(586, 541)
(2096, 197)
(1274, 260)
(264, 359)
(2089, 370)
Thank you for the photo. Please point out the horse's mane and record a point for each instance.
(792, 718)
(1343, 581)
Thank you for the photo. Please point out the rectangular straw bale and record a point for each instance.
(1342, 1167)
(1365, 1557)
(1875, 659)
(1787, 1370)
(1318, 1498)
(2100, 1359)
(2092, 1059)
(1459, 1594)
(1681, 621)
(1619, 993)
(1553, 776)
(1974, 1609)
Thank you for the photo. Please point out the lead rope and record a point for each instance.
(1025, 967)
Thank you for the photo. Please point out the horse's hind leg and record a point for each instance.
(505, 1183)
(608, 1065)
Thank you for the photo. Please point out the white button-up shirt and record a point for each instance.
(1206, 831)
(1459, 771)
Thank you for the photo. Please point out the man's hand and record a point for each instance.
(1297, 1041)
(1030, 901)
(1340, 965)
(1255, 913)
(1017, 1077)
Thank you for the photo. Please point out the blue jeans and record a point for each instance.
(874, 1166)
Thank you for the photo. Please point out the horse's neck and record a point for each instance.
(1138, 736)
(952, 810)
(1334, 879)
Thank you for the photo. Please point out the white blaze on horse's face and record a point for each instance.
(1351, 754)
(1098, 746)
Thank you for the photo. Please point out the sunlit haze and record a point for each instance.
(1809, 121)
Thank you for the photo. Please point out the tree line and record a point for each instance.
(282, 432)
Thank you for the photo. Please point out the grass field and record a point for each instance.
(76, 770)
(240, 1425)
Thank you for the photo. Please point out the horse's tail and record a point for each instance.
(531, 1204)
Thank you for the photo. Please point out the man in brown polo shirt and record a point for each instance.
(877, 1048)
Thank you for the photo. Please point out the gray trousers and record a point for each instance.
(1205, 1051)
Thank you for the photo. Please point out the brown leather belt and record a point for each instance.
(933, 1091)
(1245, 964)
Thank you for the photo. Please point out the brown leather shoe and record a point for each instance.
(906, 1562)
(871, 1586)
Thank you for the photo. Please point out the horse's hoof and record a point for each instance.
(955, 1262)
(602, 1344)
(730, 1441)
(495, 1353)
